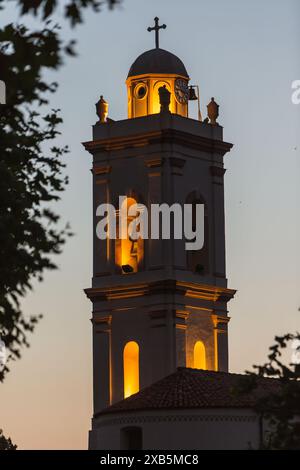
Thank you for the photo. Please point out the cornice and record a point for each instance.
(133, 417)
(170, 286)
(163, 136)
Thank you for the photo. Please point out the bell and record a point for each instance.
(192, 94)
(127, 268)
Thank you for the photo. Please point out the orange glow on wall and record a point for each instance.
(131, 368)
(129, 252)
(155, 96)
(199, 356)
(143, 97)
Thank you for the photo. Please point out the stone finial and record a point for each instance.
(102, 109)
(164, 99)
(213, 111)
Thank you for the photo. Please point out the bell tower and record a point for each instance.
(157, 306)
(150, 71)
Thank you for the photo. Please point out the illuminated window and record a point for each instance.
(199, 356)
(129, 253)
(131, 368)
(155, 97)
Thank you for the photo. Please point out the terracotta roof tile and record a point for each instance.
(193, 388)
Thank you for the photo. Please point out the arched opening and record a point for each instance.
(131, 438)
(131, 368)
(129, 253)
(199, 356)
(198, 260)
(155, 97)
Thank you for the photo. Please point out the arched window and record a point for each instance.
(155, 97)
(129, 253)
(199, 356)
(198, 261)
(131, 368)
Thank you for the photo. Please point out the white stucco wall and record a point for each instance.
(181, 430)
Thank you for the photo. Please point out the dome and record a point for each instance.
(157, 61)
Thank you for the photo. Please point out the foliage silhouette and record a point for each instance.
(31, 163)
(279, 409)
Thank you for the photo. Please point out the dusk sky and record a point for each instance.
(246, 55)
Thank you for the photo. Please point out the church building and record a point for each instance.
(159, 312)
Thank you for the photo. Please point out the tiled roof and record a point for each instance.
(193, 388)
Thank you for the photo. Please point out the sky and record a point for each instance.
(246, 55)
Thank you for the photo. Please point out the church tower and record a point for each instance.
(157, 306)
